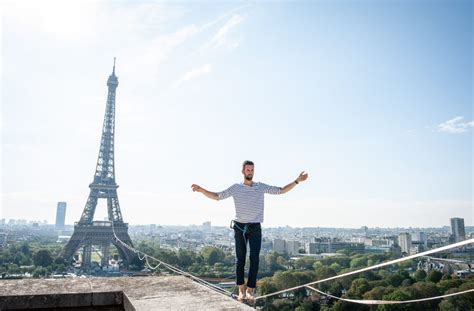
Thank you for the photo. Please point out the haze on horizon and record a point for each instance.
(372, 99)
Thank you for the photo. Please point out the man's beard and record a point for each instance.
(249, 177)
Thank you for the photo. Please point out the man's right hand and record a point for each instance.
(196, 188)
(209, 194)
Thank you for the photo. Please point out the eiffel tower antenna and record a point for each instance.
(88, 232)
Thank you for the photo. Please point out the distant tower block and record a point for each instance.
(457, 229)
(404, 241)
(99, 233)
(60, 215)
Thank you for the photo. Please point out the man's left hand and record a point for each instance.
(303, 176)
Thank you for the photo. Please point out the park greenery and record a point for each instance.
(278, 271)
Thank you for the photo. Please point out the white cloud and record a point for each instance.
(195, 73)
(455, 126)
(153, 53)
(221, 38)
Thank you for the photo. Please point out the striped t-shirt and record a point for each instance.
(248, 200)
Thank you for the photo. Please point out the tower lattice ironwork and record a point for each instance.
(88, 233)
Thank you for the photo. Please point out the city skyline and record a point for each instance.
(373, 100)
(208, 225)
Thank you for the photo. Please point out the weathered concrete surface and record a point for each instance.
(139, 293)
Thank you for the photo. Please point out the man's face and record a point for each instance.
(248, 172)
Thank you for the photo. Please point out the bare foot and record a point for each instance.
(251, 294)
(242, 295)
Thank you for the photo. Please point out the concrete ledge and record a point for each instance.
(76, 300)
(123, 293)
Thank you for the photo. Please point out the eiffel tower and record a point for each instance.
(89, 233)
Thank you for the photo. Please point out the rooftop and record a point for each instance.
(121, 293)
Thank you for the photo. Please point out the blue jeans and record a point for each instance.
(253, 235)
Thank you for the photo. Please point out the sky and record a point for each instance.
(374, 99)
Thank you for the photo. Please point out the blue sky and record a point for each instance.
(372, 98)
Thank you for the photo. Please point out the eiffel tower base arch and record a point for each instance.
(99, 233)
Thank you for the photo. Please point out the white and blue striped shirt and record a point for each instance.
(248, 200)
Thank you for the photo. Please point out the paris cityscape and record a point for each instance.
(207, 250)
(283, 240)
(375, 111)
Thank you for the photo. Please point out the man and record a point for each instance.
(249, 203)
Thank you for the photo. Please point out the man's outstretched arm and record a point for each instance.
(209, 194)
(303, 176)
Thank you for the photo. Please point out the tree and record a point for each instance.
(336, 289)
(335, 266)
(266, 286)
(307, 306)
(185, 257)
(283, 305)
(399, 295)
(60, 268)
(342, 260)
(404, 274)
(343, 251)
(395, 279)
(370, 276)
(25, 249)
(358, 288)
(347, 280)
(406, 264)
(343, 306)
(384, 274)
(358, 262)
(324, 272)
(195, 268)
(376, 293)
(434, 276)
(5, 256)
(39, 272)
(212, 255)
(146, 248)
(469, 284)
(446, 305)
(13, 269)
(285, 279)
(305, 276)
(406, 282)
(22, 259)
(304, 263)
(229, 260)
(377, 258)
(424, 290)
(446, 277)
(272, 260)
(460, 302)
(43, 258)
(377, 283)
(317, 265)
(60, 260)
(218, 268)
(420, 275)
(167, 256)
(282, 262)
(444, 285)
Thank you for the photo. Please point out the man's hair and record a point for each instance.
(247, 162)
